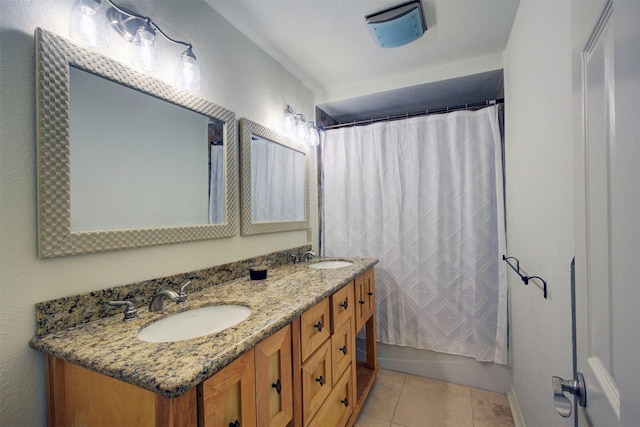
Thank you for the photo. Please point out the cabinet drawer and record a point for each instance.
(341, 306)
(337, 409)
(342, 349)
(315, 327)
(316, 380)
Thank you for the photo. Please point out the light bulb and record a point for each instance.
(188, 71)
(145, 52)
(88, 23)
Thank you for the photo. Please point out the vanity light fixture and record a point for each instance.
(88, 24)
(398, 25)
(298, 127)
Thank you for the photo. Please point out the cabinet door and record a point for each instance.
(228, 397)
(369, 293)
(274, 393)
(361, 302)
(341, 306)
(316, 380)
(337, 409)
(315, 327)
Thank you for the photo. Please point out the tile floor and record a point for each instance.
(403, 400)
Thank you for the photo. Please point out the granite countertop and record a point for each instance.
(110, 346)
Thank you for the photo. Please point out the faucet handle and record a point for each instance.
(296, 258)
(130, 312)
(182, 296)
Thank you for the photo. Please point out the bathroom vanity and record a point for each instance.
(292, 362)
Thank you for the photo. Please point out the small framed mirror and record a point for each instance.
(125, 160)
(275, 187)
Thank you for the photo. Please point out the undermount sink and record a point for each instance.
(194, 323)
(330, 264)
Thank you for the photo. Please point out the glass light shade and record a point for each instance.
(188, 72)
(145, 51)
(289, 122)
(88, 23)
(302, 130)
(314, 137)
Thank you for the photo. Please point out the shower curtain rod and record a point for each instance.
(441, 110)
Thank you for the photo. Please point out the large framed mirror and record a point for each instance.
(125, 160)
(275, 187)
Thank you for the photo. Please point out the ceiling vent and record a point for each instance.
(398, 25)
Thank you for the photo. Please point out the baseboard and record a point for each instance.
(516, 413)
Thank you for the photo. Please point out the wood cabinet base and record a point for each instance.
(79, 397)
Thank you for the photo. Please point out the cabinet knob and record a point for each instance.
(277, 386)
(345, 402)
(320, 380)
(361, 301)
(318, 326)
(236, 423)
(344, 304)
(369, 293)
(343, 349)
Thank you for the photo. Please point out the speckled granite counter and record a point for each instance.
(111, 347)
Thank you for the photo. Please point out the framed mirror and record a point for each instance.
(125, 160)
(275, 188)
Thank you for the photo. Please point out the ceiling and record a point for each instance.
(327, 45)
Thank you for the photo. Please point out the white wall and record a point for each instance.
(539, 201)
(238, 76)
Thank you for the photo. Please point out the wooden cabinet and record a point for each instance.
(336, 402)
(306, 374)
(274, 385)
(228, 398)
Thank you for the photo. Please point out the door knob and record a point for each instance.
(575, 387)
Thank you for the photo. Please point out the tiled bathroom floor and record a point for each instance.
(403, 400)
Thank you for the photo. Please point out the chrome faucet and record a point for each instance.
(182, 296)
(158, 299)
(307, 256)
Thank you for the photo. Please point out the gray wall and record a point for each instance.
(237, 75)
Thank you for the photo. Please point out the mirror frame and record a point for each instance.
(54, 55)
(248, 128)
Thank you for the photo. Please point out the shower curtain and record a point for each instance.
(216, 185)
(424, 196)
(277, 182)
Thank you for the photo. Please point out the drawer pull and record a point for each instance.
(277, 386)
(343, 349)
(320, 380)
(345, 402)
(344, 304)
(369, 293)
(361, 302)
(236, 423)
(318, 326)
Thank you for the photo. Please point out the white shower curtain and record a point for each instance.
(216, 185)
(277, 182)
(424, 196)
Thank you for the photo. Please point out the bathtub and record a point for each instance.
(443, 367)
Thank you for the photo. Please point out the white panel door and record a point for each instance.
(608, 223)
